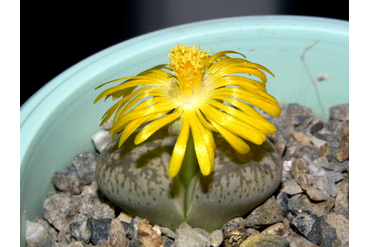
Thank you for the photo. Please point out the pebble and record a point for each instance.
(117, 234)
(36, 233)
(322, 233)
(99, 230)
(268, 213)
(80, 228)
(309, 209)
(67, 181)
(148, 235)
(261, 240)
(302, 202)
(101, 139)
(340, 112)
(317, 183)
(341, 225)
(297, 240)
(85, 164)
(278, 229)
(188, 236)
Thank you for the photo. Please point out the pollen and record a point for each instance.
(188, 64)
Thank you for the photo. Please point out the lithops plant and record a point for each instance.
(212, 162)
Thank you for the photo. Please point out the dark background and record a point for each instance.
(62, 33)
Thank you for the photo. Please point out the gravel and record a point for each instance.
(310, 208)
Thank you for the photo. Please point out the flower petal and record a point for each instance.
(265, 102)
(179, 149)
(243, 82)
(234, 125)
(203, 142)
(261, 124)
(152, 127)
(130, 128)
(134, 81)
(236, 142)
(151, 106)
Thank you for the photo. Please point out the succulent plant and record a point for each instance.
(213, 162)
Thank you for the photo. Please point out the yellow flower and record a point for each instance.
(190, 89)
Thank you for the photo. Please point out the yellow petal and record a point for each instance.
(261, 124)
(239, 64)
(203, 143)
(132, 82)
(152, 127)
(130, 128)
(237, 143)
(179, 149)
(154, 105)
(265, 102)
(234, 125)
(243, 82)
(204, 121)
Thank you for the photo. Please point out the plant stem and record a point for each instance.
(189, 167)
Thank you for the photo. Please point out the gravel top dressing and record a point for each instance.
(310, 208)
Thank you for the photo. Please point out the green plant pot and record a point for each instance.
(309, 57)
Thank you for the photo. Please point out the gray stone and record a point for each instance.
(117, 234)
(85, 164)
(80, 228)
(279, 142)
(317, 183)
(304, 221)
(234, 232)
(67, 181)
(64, 238)
(35, 233)
(59, 210)
(268, 213)
(294, 109)
(216, 238)
(134, 243)
(91, 204)
(133, 232)
(52, 232)
(322, 233)
(301, 203)
(167, 242)
(342, 200)
(187, 236)
(261, 240)
(168, 232)
(317, 126)
(341, 225)
(333, 165)
(78, 244)
(234, 224)
(278, 229)
(297, 240)
(282, 200)
(309, 152)
(339, 112)
(291, 187)
(99, 230)
(343, 149)
(314, 228)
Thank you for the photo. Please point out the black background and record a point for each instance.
(58, 34)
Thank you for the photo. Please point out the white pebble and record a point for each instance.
(101, 139)
(35, 233)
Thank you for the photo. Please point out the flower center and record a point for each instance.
(188, 64)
